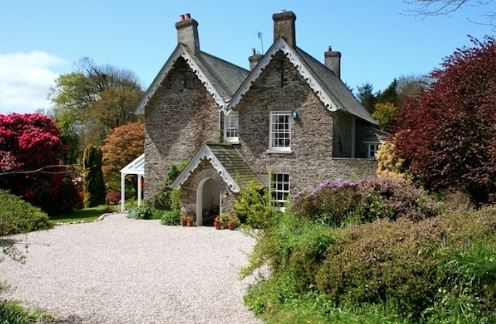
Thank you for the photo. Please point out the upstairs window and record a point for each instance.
(280, 132)
(279, 188)
(231, 127)
(373, 148)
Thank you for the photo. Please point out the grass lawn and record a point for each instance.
(84, 215)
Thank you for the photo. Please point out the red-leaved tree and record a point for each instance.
(28, 143)
(447, 134)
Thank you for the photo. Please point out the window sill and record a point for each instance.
(279, 151)
(231, 141)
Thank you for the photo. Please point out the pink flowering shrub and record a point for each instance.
(31, 142)
(362, 201)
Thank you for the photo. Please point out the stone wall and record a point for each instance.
(311, 160)
(179, 119)
(190, 187)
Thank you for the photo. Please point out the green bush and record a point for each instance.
(142, 212)
(436, 270)
(94, 186)
(163, 199)
(171, 217)
(13, 313)
(18, 216)
(253, 206)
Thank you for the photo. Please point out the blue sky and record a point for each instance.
(379, 40)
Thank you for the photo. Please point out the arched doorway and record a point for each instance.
(207, 201)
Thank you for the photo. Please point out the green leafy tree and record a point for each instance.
(91, 101)
(94, 187)
(384, 113)
(390, 94)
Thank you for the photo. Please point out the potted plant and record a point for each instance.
(218, 222)
(233, 222)
(224, 219)
(184, 219)
(189, 221)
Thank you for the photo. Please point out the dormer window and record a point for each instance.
(280, 132)
(231, 127)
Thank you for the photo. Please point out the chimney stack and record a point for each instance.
(254, 59)
(187, 33)
(333, 61)
(284, 26)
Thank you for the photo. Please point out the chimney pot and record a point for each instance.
(181, 17)
(332, 60)
(187, 34)
(284, 26)
(188, 15)
(254, 59)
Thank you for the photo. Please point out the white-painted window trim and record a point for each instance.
(372, 148)
(272, 144)
(280, 186)
(231, 128)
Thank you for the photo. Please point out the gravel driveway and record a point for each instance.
(121, 270)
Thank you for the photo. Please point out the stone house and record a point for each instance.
(289, 122)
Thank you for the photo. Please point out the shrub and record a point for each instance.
(253, 206)
(171, 217)
(142, 212)
(162, 199)
(113, 197)
(18, 216)
(13, 313)
(94, 187)
(338, 201)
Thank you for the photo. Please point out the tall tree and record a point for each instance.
(389, 94)
(447, 135)
(94, 186)
(367, 96)
(91, 101)
(122, 146)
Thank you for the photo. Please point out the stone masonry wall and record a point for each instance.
(189, 189)
(179, 119)
(311, 160)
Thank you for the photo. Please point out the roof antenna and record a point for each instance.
(261, 40)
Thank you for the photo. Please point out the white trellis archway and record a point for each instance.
(136, 167)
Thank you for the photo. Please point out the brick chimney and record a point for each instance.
(254, 59)
(333, 61)
(187, 33)
(284, 26)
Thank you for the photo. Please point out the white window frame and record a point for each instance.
(279, 149)
(227, 119)
(274, 191)
(375, 146)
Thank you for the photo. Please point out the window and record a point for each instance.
(280, 188)
(373, 148)
(280, 132)
(231, 127)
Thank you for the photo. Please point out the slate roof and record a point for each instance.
(226, 160)
(232, 161)
(221, 77)
(225, 77)
(335, 88)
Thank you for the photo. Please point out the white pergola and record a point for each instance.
(136, 167)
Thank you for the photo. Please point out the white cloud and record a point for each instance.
(25, 79)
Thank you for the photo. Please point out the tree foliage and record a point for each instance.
(447, 135)
(30, 150)
(91, 101)
(94, 187)
(124, 144)
(367, 96)
(384, 113)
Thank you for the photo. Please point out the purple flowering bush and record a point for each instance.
(335, 202)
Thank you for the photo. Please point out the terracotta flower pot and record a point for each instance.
(232, 225)
(189, 222)
(217, 225)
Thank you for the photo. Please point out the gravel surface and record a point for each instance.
(121, 270)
